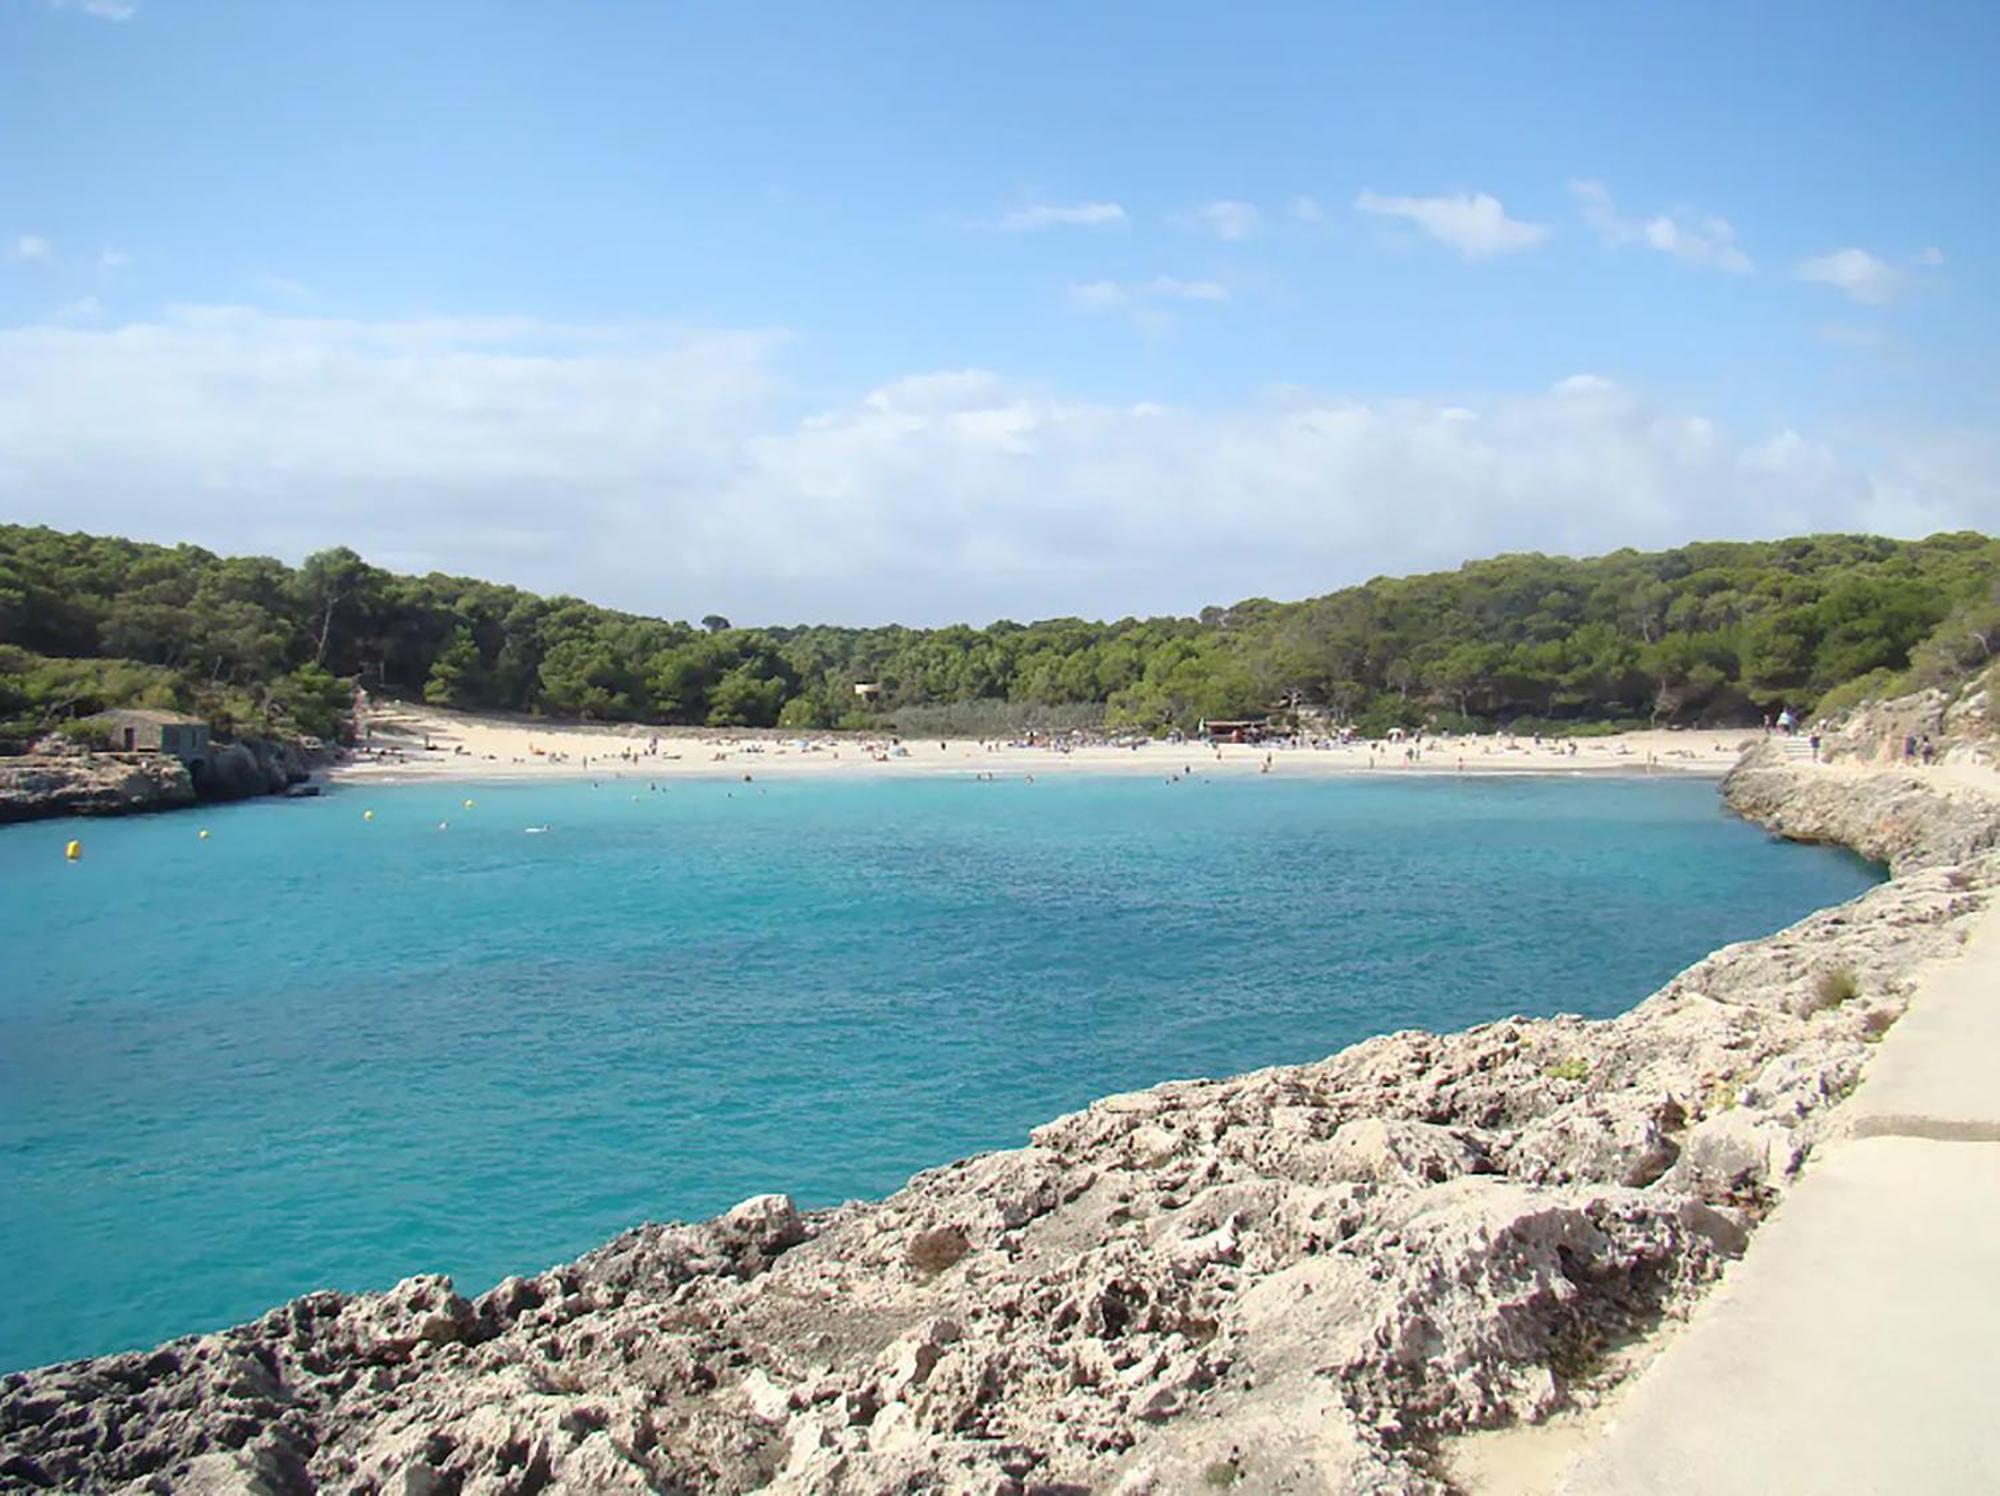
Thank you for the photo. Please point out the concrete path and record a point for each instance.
(1856, 1348)
(1938, 1075)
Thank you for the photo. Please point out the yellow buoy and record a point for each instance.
(468, 805)
(367, 815)
(73, 851)
(202, 834)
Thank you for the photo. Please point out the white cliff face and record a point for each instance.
(1298, 1279)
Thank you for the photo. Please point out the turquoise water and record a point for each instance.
(319, 1051)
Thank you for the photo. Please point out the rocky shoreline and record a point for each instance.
(65, 780)
(1907, 819)
(40, 786)
(1304, 1278)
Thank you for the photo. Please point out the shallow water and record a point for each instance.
(318, 1051)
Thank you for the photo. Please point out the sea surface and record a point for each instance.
(322, 1050)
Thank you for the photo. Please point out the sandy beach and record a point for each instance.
(403, 742)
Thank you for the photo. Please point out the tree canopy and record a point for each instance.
(1711, 632)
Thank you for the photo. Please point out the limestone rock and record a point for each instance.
(1904, 818)
(1296, 1279)
(1382, 1151)
(91, 784)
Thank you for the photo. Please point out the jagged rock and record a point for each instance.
(70, 779)
(247, 767)
(1626, 1147)
(1381, 1151)
(1959, 721)
(91, 784)
(1736, 1155)
(1906, 819)
(1294, 1279)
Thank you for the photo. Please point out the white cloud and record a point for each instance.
(1854, 271)
(1188, 290)
(667, 471)
(1143, 298)
(104, 10)
(1228, 219)
(1099, 295)
(1306, 209)
(1709, 241)
(1474, 224)
(1159, 508)
(1698, 239)
(34, 248)
(83, 309)
(1058, 215)
(1581, 386)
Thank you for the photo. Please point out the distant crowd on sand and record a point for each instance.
(391, 736)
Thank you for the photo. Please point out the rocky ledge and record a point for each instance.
(62, 779)
(1298, 1279)
(1906, 818)
(99, 784)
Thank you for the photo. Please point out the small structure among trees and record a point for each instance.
(1247, 730)
(147, 730)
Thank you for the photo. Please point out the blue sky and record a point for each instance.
(922, 311)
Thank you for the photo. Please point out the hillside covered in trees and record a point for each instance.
(1714, 632)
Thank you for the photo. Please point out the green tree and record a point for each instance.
(331, 589)
(311, 700)
(743, 698)
(578, 679)
(454, 677)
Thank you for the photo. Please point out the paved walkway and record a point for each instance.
(1856, 1347)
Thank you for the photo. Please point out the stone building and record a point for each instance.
(144, 730)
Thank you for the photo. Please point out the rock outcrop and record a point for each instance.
(60, 779)
(250, 766)
(98, 784)
(1906, 818)
(1295, 1280)
(1958, 720)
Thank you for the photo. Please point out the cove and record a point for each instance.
(315, 1050)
